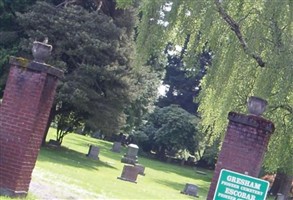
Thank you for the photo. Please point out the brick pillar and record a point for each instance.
(244, 146)
(24, 113)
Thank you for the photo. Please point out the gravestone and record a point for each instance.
(280, 196)
(190, 189)
(54, 143)
(116, 147)
(201, 172)
(182, 162)
(93, 152)
(140, 168)
(129, 173)
(131, 156)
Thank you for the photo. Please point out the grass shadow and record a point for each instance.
(181, 186)
(105, 146)
(172, 184)
(65, 156)
(75, 144)
(105, 150)
(81, 143)
(184, 171)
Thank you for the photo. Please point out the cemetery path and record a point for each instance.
(48, 186)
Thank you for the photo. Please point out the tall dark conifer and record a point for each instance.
(10, 32)
(96, 52)
(183, 82)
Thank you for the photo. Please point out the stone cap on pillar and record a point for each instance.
(35, 66)
(253, 121)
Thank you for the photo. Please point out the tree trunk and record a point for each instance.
(51, 117)
(282, 184)
(277, 184)
(59, 136)
(161, 153)
(286, 185)
(109, 8)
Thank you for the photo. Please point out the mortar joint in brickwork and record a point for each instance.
(252, 121)
(36, 66)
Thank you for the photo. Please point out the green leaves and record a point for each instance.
(265, 30)
(171, 128)
(123, 4)
(95, 50)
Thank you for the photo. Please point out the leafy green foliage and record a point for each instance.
(9, 34)
(66, 122)
(210, 155)
(125, 3)
(263, 29)
(70, 167)
(8, 8)
(169, 130)
(95, 51)
(145, 86)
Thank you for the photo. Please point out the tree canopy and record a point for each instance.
(169, 130)
(9, 33)
(252, 50)
(181, 82)
(251, 45)
(96, 51)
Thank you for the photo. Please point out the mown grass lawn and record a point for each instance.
(72, 167)
(68, 168)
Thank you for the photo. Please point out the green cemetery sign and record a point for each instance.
(235, 186)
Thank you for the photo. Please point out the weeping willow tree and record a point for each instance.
(252, 47)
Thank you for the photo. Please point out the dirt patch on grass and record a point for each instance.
(48, 186)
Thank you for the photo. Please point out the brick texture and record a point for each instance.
(244, 146)
(24, 112)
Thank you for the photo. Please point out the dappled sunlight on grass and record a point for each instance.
(69, 157)
(70, 165)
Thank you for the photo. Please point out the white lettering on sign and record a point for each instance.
(230, 184)
(240, 194)
(226, 196)
(243, 182)
(251, 190)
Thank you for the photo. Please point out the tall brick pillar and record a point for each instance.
(244, 146)
(24, 112)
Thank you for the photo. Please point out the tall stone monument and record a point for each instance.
(131, 156)
(24, 113)
(245, 142)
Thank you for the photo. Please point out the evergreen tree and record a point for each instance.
(95, 51)
(9, 34)
(147, 81)
(183, 82)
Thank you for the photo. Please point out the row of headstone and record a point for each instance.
(132, 168)
(94, 150)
